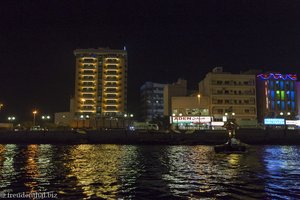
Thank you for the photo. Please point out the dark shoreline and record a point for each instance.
(250, 136)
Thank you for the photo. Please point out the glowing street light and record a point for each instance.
(34, 113)
(281, 113)
(44, 117)
(11, 118)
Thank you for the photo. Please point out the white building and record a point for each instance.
(229, 94)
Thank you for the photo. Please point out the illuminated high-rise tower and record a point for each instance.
(101, 82)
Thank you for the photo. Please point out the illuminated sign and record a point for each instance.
(224, 119)
(217, 123)
(191, 119)
(278, 76)
(292, 122)
(274, 121)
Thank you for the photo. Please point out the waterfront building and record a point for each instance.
(100, 82)
(190, 112)
(231, 95)
(173, 90)
(64, 119)
(277, 96)
(152, 100)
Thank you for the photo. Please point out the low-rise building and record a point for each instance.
(191, 112)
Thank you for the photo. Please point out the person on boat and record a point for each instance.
(234, 141)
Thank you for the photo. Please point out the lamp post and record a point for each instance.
(11, 120)
(45, 118)
(82, 118)
(173, 120)
(88, 118)
(180, 115)
(124, 119)
(34, 113)
(131, 119)
(199, 101)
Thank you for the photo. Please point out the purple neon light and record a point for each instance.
(278, 76)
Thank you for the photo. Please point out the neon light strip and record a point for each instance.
(266, 94)
(277, 76)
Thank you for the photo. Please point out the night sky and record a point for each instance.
(165, 40)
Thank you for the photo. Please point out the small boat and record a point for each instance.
(226, 148)
(232, 146)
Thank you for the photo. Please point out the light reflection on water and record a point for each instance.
(143, 172)
(282, 171)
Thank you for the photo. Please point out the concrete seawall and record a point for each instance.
(259, 137)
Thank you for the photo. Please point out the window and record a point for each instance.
(220, 111)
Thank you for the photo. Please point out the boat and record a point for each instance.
(226, 148)
(233, 145)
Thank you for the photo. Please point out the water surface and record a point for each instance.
(150, 172)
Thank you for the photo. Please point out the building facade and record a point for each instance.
(277, 96)
(173, 90)
(231, 95)
(100, 82)
(152, 100)
(191, 112)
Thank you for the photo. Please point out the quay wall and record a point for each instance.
(205, 137)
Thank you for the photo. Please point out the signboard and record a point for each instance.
(293, 122)
(191, 119)
(274, 121)
(224, 119)
(217, 123)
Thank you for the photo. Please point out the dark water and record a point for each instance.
(150, 172)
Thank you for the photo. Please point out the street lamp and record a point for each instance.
(11, 120)
(45, 117)
(180, 115)
(199, 101)
(173, 120)
(82, 118)
(34, 113)
(281, 113)
(124, 119)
